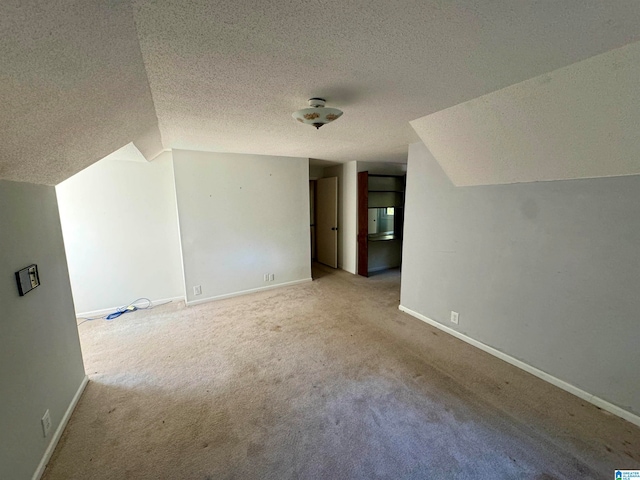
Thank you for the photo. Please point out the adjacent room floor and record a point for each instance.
(324, 380)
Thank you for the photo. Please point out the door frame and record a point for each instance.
(363, 224)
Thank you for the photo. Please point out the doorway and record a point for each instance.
(380, 222)
(326, 226)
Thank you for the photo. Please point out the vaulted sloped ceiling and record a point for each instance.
(73, 88)
(82, 79)
(580, 121)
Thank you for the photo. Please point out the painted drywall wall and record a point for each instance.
(560, 125)
(349, 191)
(40, 360)
(545, 272)
(316, 172)
(241, 217)
(120, 229)
(347, 174)
(384, 255)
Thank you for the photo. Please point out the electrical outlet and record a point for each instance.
(197, 290)
(454, 317)
(46, 423)
(271, 277)
(266, 277)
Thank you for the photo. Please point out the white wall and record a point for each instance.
(315, 172)
(40, 360)
(545, 272)
(347, 213)
(242, 216)
(120, 229)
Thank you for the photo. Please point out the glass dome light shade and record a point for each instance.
(317, 114)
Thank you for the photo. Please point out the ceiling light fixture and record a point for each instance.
(317, 114)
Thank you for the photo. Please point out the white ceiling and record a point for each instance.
(73, 88)
(580, 121)
(82, 79)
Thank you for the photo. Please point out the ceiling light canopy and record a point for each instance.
(317, 114)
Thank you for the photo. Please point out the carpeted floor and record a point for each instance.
(324, 380)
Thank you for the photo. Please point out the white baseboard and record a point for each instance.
(104, 311)
(597, 401)
(58, 433)
(191, 303)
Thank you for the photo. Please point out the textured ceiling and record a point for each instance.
(72, 88)
(82, 79)
(579, 121)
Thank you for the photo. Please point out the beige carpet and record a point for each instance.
(324, 380)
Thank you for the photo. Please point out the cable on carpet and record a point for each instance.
(131, 307)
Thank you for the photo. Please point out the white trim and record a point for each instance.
(138, 304)
(175, 202)
(191, 303)
(597, 401)
(61, 426)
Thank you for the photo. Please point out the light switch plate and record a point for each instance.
(27, 279)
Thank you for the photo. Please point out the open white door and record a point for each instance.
(327, 221)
